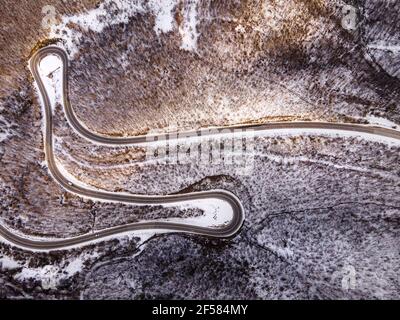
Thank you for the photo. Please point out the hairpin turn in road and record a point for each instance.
(224, 231)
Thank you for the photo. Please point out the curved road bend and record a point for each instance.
(107, 140)
(225, 231)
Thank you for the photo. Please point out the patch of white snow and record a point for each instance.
(188, 30)
(382, 122)
(8, 263)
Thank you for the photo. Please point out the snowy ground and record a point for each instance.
(322, 208)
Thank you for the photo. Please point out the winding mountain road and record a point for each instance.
(224, 231)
